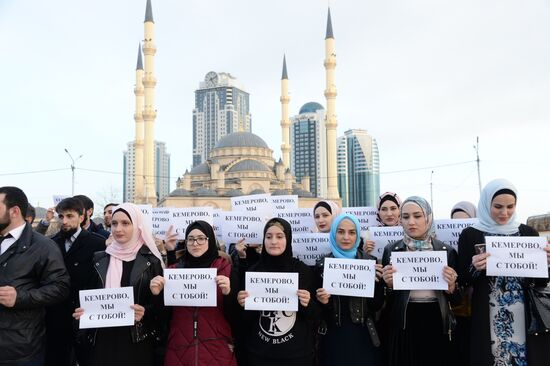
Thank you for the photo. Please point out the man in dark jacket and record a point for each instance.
(78, 246)
(88, 223)
(32, 276)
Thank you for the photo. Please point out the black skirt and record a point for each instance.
(423, 341)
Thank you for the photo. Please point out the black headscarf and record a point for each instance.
(206, 259)
(283, 262)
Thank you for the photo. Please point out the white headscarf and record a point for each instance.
(486, 222)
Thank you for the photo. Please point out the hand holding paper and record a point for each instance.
(322, 296)
(157, 284)
(304, 297)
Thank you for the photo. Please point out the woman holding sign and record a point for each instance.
(275, 337)
(387, 214)
(200, 335)
(498, 331)
(349, 320)
(132, 259)
(421, 321)
(323, 214)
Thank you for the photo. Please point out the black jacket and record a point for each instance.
(360, 308)
(146, 267)
(59, 320)
(397, 300)
(34, 266)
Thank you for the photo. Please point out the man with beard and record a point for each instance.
(32, 276)
(78, 246)
(107, 216)
(88, 223)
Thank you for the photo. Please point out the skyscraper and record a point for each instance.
(161, 173)
(308, 147)
(358, 169)
(221, 107)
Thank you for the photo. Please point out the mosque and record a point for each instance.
(241, 163)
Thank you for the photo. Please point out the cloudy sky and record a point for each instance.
(424, 77)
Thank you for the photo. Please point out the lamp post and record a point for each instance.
(73, 161)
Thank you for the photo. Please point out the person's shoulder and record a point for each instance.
(526, 230)
(99, 255)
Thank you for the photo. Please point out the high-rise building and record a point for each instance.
(161, 175)
(221, 107)
(308, 147)
(358, 169)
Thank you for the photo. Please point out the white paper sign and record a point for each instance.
(271, 291)
(183, 217)
(147, 211)
(217, 222)
(247, 225)
(190, 287)
(365, 215)
(382, 236)
(349, 277)
(283, 203)
(449, 230)
(421, 270)
(258, 203)
(58, 198)
(300, 219)
(517, 256)
(160, 217)
(108, 307)
(310, 247)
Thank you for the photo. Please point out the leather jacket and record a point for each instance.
(34, 266)
(146, 267)
(398, 300)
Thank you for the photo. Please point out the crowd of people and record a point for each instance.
(479, 320)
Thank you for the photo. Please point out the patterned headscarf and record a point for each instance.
(486, 222)
(338, 252)
(386, 196)
(423, 241)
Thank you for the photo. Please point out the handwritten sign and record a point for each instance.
(449, 230)
(517, 256)
(160, 218)
(365, 215)
(271, 291)
(382, 236)
(310, 247)
(58, 198)
(349, 277)
(300, 219)
(190, 287)
(246, 225)
(109, 307)
(419, 270)
(183, 217)
(284, 203)
(259, 203)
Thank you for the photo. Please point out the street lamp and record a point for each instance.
(72, 166)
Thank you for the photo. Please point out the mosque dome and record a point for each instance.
(180, 192)
(302, 193)
(234, 193)
(280, 192)
(248, 164)
(200, 169)
(241, 139)
(257, 191)
(310, 107)
(204, 192)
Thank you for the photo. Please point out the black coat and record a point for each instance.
(59, 320)
(397, 300)
(480, 337)
(34, 266)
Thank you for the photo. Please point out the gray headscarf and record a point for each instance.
(467, 207)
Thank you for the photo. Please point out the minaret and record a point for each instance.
(138, 143)
(285, 121)
(149, 112)
(330, 119)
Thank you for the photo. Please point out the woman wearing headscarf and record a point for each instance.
(200, 335)
(387, 214)
(349, 320)
(463, 210)
(420, 320)
(281, 337)
(132, 259)
(323, 213)
(498, 332)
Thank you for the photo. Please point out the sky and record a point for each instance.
(423, 77)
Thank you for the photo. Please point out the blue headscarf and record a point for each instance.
(486, 222)
(338, 252)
